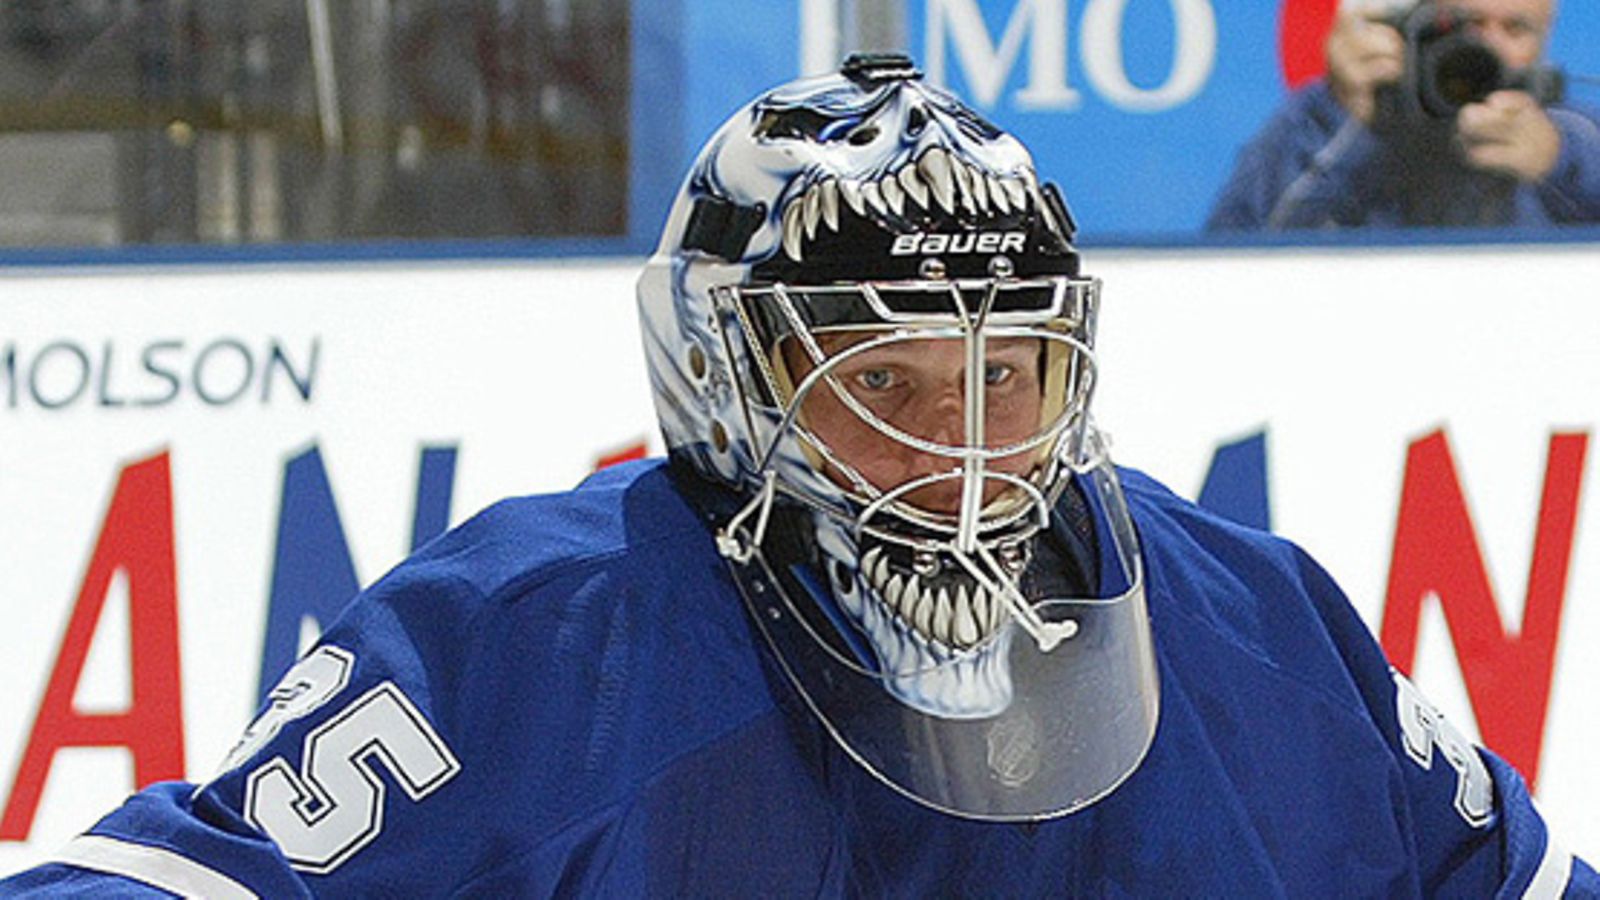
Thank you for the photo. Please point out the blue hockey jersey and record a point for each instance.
(563, 696)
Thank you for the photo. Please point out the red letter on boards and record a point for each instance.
(1436, 552)
(136, 538)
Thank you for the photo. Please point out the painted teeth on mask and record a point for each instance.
(794, 229)
(916, 189)
(989, 611)
(942, 616)
(965, 677)
(936, 177)
(893, 194)
(881, 569)
(906, 596)
(1017, 192)
(965, 627)
(917, 604)
(873, 195)
(923, 617)
(829, 192)
(963, 183)
(935, 169)
(945, 618)
(893, 591)
(979, 184)
(998, 193)
(851, 192)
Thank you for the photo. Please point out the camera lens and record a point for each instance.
(1457, 70)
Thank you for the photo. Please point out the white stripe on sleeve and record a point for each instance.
(1555, 870)
(152, 865)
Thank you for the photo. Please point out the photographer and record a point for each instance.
(1391, 137)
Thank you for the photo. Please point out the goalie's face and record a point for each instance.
(921, 388)
(936, 411)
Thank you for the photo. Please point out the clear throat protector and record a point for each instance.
(955, 589)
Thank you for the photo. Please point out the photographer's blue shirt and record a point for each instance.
(563, 697)
(1313, 165)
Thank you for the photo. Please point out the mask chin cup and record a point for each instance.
(1064, 722)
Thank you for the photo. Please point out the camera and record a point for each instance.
(1447, 66)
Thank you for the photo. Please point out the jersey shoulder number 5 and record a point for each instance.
(332, 805)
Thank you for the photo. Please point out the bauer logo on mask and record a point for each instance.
(990, 242)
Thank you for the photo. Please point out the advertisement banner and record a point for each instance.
(1423, 425)
(199, 467)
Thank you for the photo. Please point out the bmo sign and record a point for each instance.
(958, 33)
(1137, 108)
(1113, 96)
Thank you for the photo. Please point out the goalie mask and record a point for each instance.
(866, 319)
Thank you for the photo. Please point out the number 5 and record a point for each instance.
(333, 806)
(1422, 728)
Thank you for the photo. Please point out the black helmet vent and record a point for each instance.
(871, 67)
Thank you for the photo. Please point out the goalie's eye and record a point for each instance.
(805, 124)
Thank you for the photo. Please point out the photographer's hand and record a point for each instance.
(1362, 55)
(1509, 132)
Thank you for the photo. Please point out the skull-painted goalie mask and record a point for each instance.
(866, 322)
